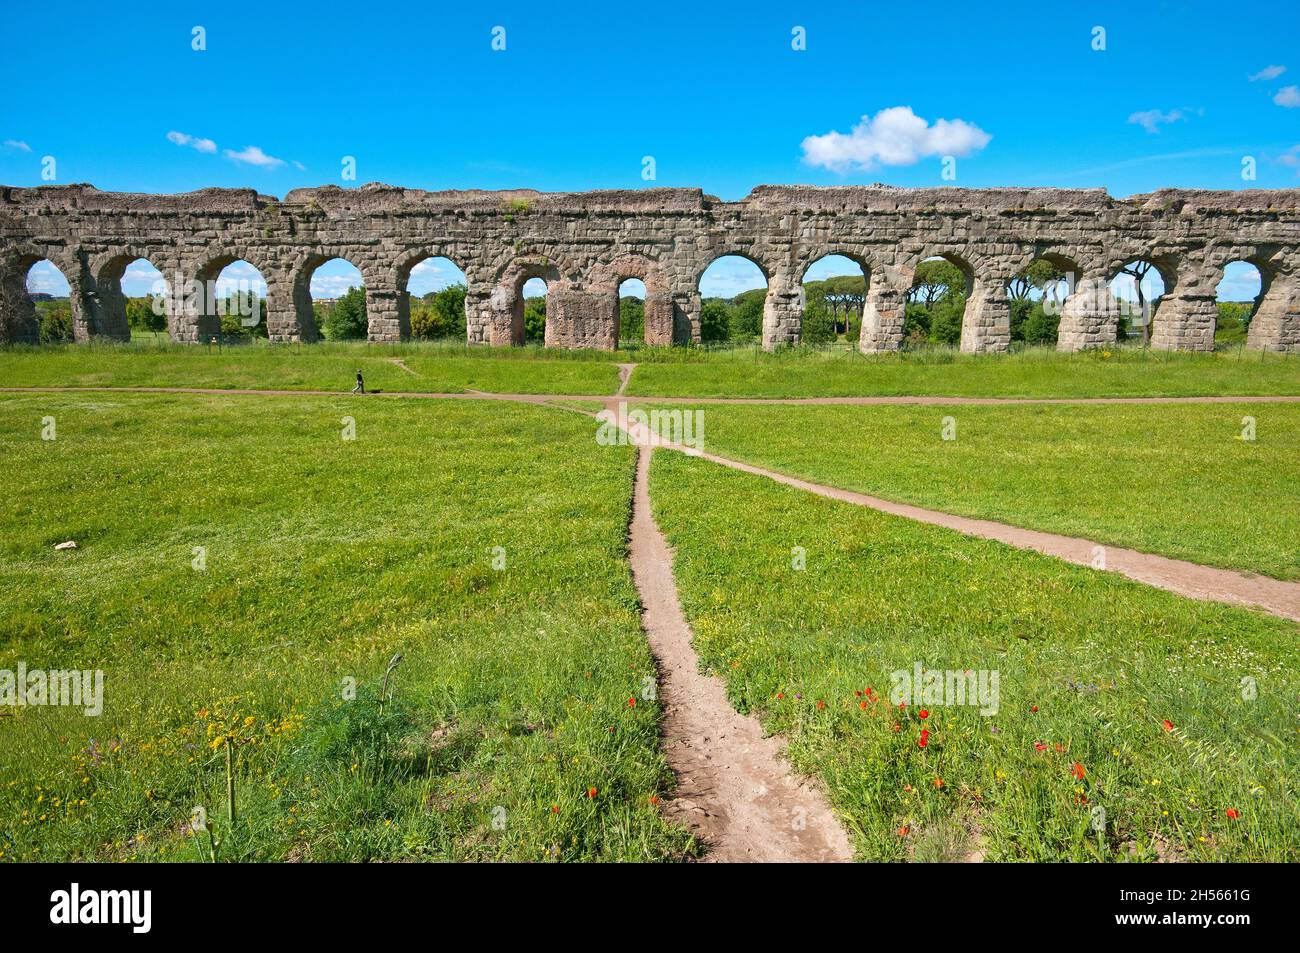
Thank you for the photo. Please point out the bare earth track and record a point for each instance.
(735, 791)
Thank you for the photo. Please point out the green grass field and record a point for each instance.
(671, 372)
(324, 558)
(1091, 665)
(242, 566)
(327, 367)
(1177, 480)
(1038, 372)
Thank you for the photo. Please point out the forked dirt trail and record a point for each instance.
(734, 789)
(624, 375)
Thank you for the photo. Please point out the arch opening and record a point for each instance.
(1037, 295)
(1237, 298)
(334, 295)
(835, 292)
(1137, 289)
(133, 298)
(630, 325)
(235, 304)
(431, 299)
(733, 291)
(49, 295)
(531, 303)
(936, 303)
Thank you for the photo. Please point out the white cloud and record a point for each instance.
(299, 166)
(1288, 96)
(1291, 157)
(45, 278)
(18, 144)
(194, 142)
(894, 136)
(253, 155)
(333, 286)
(1152, 119)
(1268, 72)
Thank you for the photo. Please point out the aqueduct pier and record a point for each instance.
(585, 243)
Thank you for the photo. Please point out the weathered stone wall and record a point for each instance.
(584, 244)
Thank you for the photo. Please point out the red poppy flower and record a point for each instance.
(862, 704)
(1233, 813)
(780, 695)
(1060, 748)
(938, 782)
(923, 713)
(924, 739)
(1077, 770)
(820, 703)
(591, 792)
(555, 809)
(1169, 725)
(654, 799)
(1034, 708)
(902, 831)
(857, 693)
(1039, 746)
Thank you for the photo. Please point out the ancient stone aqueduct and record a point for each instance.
(584, 244)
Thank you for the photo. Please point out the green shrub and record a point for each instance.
(346, 319)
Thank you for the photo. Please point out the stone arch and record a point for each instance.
(966, 265)
(604, 281)
(1275, 325)
(407, 261)
(210, 306)
(1143, 310)
(1274, 318)
(19, 322)
(106, 302)
(508, 298)
(810, 259)
(1027, 292)
(302, 269)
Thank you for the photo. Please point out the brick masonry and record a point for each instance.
(585, 243)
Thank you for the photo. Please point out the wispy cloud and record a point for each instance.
(1144, 160)
(1268, 72)
(894, 136)
(1152, 119)
(253, 155)
(1288, 97)
(17, 144)
(194, 142)
(1291, 157)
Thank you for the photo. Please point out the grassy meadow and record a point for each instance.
(507, 733)
(738, 371)
(1174, 717)
(1033, 372)
(420, 368)
(1178, 480)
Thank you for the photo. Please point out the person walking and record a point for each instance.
(361, 385)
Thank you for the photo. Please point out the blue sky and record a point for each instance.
(720, 99)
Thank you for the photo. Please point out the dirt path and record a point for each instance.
(402, 364)
(624, 375)
(734, 788)
(1176, 575)
(540, 398)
